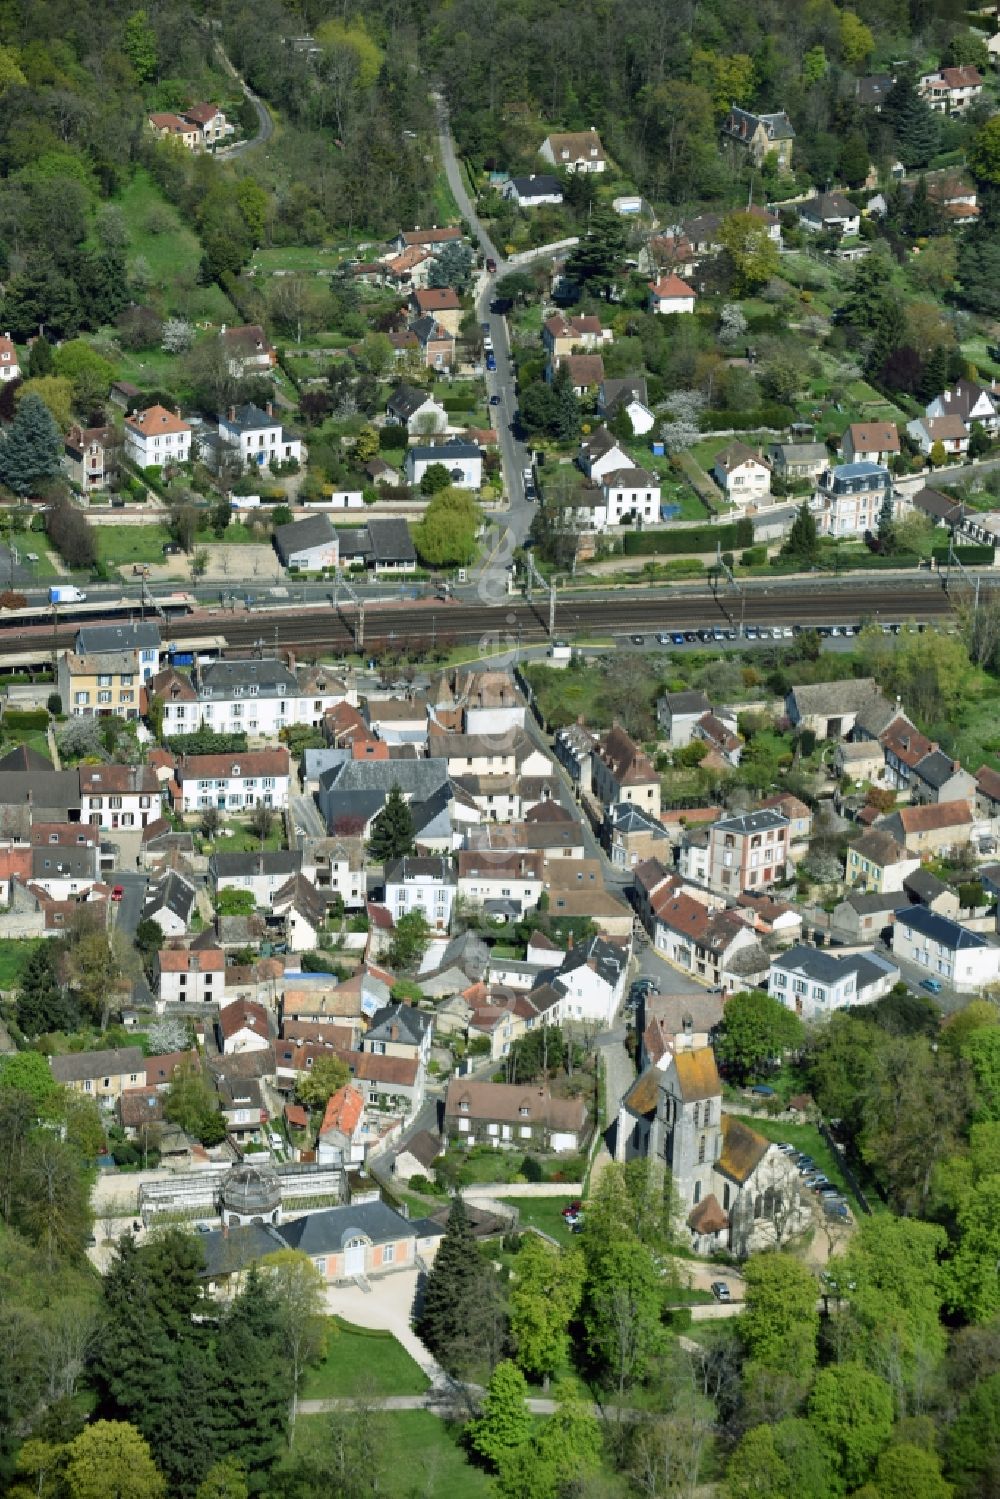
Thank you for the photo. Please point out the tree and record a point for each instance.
(177, 336)
(139, 45)
(970, 1275)
(911, 120)
(191, 1103)
(250, 1414)
(226, 1479)
(505, 1423)
(392, 834)
(28, 1072)
(621, 1310)
(409, 939)
(802, 541)
(595, 262)
(851, 1410)
(780, 1322)
(110, 1460)
(450, 1288)
(983, 154)
(973, 1441)
(854, 158)
(43, 1004)
(886, 522)
(52, 1207)
(262, 821)
(856, 40)
(446, 537)
(756, 1027)
(937, 457)
(751, 253)
(906, 1471)
(299, 1293)
(434, 478)
(168, 1033)
(326, 1076)
(88, 373)
(31, 450)
(781, 1461)
(546, 1294)
(451, 266)
(567, 412)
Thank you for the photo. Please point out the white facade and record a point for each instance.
(258, 437)
(815, 984)
(235, 791)
(421, 885)
(613, 461)
(589, 997)
(156, 437)
(745, 481)
(249, 712)
(9, 367)
(464, 462)
(958, 958)
(487, 883)
(263, 883)
(627, 494)
(193, 985)
(671, 294)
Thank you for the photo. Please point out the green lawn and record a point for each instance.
(170, 250)
(14, 953)
(421, 1456)
(117, 545)
(355, 1355)
(240, 840)
(544, 1213)
(805, 1137)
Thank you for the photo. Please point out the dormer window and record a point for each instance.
(524, 1111)
(236, 770)
(464, 1106)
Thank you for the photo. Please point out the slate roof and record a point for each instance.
(300, 535)
(417, 778)
(692, 704)
(924, 886)
(50, 790)
(173, 893)
(539, 186)
(270, 861)
(940, 929)
(937, 768)
(828, 699)
(271, 677)
(406, 401)
(751, 822)
(78, 1066)
(328, 1231)
(391, 541)
(424, 1147)
(138, 636)
(399, 1023)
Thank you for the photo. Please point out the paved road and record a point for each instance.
(129, 908)
(306, 815)
(491, 578)
(265, 125)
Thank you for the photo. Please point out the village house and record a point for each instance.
(742, 474)
(190, 975)
(257, 437)
(463, 462)
(104, 1075)
(877, 863)
(585, 372)
(537, 191)
(435, 341)
(156, 437)
(951, 90)
(259, 697)
(310, 545)
(424, 884)
(92, 455)
(242, 1026)
(232, 783)
(634, 836)
(748, 852)
(670, 294)
(429, 238)
(574, 151)
(417, 1156)
(9, 367)
(797, 462)
(261, 873)
(815, 984)
(247, 350)
(171, 903)
(119, 796)
(987, 800)
(628, 395)
(622, 772)
(848, 499)
(828, 211)
(963, 960)
(601, 455)
(932, 829)
(831, 710)
(341, 1138)
(753, 137)
(439, 302)
(65, 859)
(168, 126)
(702, 942)
(863, 917)
(871, 442)
(972, 401)
(501, 882)
(103, 685)
(517, 1117)
(416, 410)
(561, 335)
(142, 637)
(950, 431)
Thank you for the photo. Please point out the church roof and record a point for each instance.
(697, 1074)
(742, 1149)
(708, 1217)
(641, 1099)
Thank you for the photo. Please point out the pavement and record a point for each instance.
(390, 1309)
(129, 908)
(306, 815)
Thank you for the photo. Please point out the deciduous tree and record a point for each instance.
(851, 1410)
(780, 1322)
(547, 1288)
(325, 1077)
(756, 1028)
(505, 1423)
(110, 1460)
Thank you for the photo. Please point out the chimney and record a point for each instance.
(569, 942)
(269, 408)
(232, 413)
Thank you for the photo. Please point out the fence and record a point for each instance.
(847, 1173)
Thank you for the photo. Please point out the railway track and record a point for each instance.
(416, 626)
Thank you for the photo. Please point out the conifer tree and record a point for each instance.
(32, 448)
(392, 830)
(802, 542)
(450, 1286)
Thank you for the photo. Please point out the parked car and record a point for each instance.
(721, 1291)
(118, 893)
(933, 986)
(572, 1209)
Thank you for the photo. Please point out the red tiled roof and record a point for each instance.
(344, 1110)
(198, 960)
(670, 287)
(246, 764)
(243, 1014)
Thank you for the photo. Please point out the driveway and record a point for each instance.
(389, 1306)
(306, 815)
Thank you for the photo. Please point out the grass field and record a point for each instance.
(421, 1456)
(171, 252)
(354, 1355)
(544, 1213)
(236, 840)
(13, 956)
(123, 544)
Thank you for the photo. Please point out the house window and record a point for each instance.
(701, 1150)
(388, 1253)
(321, 1267)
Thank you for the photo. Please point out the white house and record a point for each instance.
(958, 958)
(574, 151)
(141, 636)
(742, 474)
(416, 410)
(232, 783)
(171, 904)
(242, 1026)
(261, 873)
(591, 981)
(849, 499)
(830, 211)
(309, 545)
(119, 796)
(247, 350)
(625, 494)
(671, 294)
(601, 455)
(629, 395)
(257, 436)
(191, 975)
(950, 431)
(972, 401)
(486, 875)
(426, 885)
(951, 90)
(156, 436)
(259, 697)
(9, 367)
(815, 983)
(65, 859)
(533, 192)
(463, 461)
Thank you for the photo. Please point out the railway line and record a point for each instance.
(419, 625)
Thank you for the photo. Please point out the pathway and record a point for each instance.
(441, 1402)
(265, 125)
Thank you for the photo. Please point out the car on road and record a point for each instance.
(837, 1210)
(662, 638)
(718, 634)
(677, 638)
(485, 327)
(494, 400)
(752, 632)
(118, 893)
(933, 986)
(785, 1148)
(491, 264)
(721, 1291)
(638, 639)
(491, 363)
(691, 637)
